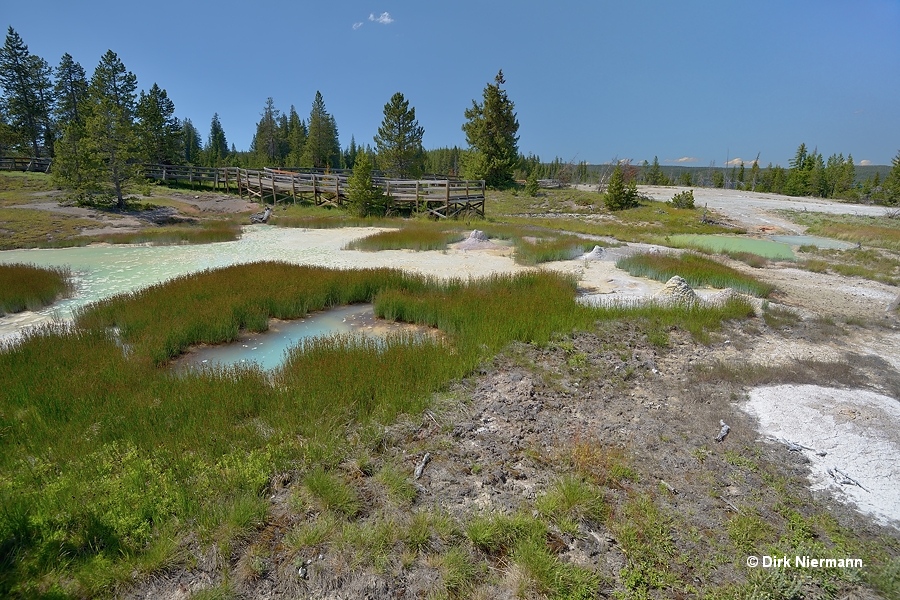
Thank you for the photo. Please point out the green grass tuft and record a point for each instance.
(697, 270)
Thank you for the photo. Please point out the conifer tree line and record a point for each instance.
(98, 129)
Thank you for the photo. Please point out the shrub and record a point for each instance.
(683, 199)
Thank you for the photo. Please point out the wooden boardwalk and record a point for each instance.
(442, 198)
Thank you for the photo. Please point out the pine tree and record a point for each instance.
(265, 142)
(296, 138)
(25, 79)
(216, 145)
(71, 95)
(399, 140)
(363, 197)
(797, 181)
(350, 154)
(191, 145)
(322, 148)
(532, 187)
(655, 176)
(620, 195)
(891, 185)
(158, 130)
(491, 132)
(109, 127)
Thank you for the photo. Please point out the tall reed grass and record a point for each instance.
(411, 237)
(28, 287)
(208, 232)
(105, 454)
(695, 269)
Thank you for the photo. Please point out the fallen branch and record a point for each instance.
(420, 468)
(842, 478)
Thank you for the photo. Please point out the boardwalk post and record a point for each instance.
(417, 195)
(447, 202)
(274, 198)
(259, 185)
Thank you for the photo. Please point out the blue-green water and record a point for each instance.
(268, 349)
(729, 243)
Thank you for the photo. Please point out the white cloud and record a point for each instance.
(384, 18)
(357, 25)
(865, 163)
(685, 159)
(735, 162)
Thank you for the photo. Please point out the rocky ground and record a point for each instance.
(596, 401)
(642, 420)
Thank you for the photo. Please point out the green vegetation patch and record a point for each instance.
(876, 265)
(207, 232)
(29, 228)
(880, 232)
(108, 460)
(695, 269)
(27, 287)
(411, 237)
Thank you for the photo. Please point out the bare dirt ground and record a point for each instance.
(759, 212)
(175, 206)
(811, 397)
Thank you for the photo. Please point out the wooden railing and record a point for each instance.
(439, 197)
(14, 163)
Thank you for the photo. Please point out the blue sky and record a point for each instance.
(691, 81)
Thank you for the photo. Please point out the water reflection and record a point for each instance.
(268, 349)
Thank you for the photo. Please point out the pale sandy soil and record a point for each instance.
(757, 211)
(850, 436)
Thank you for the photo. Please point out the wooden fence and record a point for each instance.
(438, 197)
(10, 163)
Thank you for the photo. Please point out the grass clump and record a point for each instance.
(520, 542)
(105, 453)
(207, 232)
(532, 251)
(333, 493)
(695, 269)
(749, 533)
(412, 237)
(570, 501)
(28, 287)
(645, 535)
